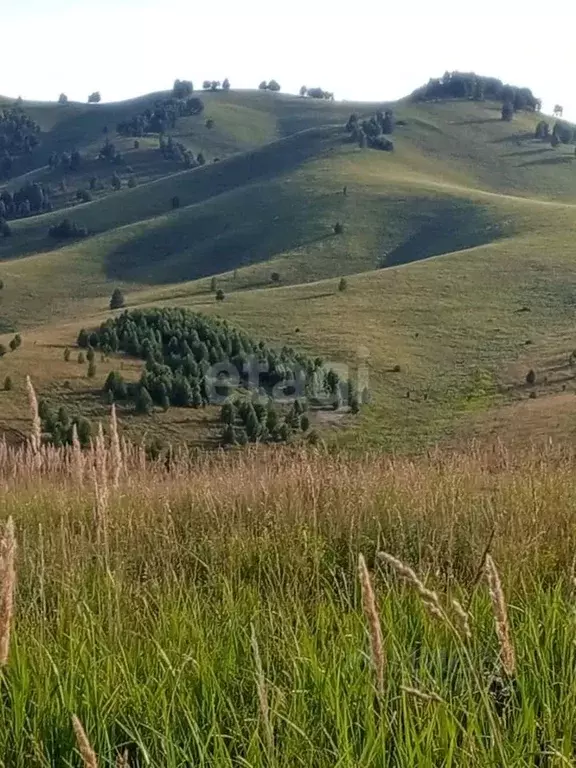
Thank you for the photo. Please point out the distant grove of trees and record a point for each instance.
(272, 85)
(469, 85)
(371, 132)
(316, 93)
(190, 357)
(69, 161)
(182, 89)
(175, 150)
(162, 117)
(213, 85)
(29, 199)
(19, 135)
(67, 230)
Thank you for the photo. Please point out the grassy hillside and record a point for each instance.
(236, 610)
(492, 203)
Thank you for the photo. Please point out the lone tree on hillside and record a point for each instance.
(558, 110)
(273, 85)
(15, 342)
(117, 300)
(226, 85)
(144, 402)
(220, 295)
(303, 91)
(531, 377)
(542, 130)
(95, 98)
(507, 111)
(275, 277)
(62, 99)
(338, 228)
(343, 284)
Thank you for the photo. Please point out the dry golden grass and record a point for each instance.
(503, 631)
(373, 622)
(87, 753)
(7, 583)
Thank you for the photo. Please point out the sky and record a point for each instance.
(368, 50)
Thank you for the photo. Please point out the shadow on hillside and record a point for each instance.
(515, 138)
(200, 185)
(243, 227)
(447, 228)
(479, 121)
(323, 295)
(529, 152)
(558, 160)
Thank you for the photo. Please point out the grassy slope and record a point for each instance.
(138, 617)
(459, 178)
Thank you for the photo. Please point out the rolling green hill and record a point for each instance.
(445, 240)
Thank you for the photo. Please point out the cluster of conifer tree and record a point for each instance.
(193, 360)
(19, 135)
(262, 421)
(58, 426)
(31, 198)
(175, 150)
(371, 132)
(469, 85)
(161, 118)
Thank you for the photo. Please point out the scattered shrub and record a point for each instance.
(66, 230)
(84, 196)
(507, 111)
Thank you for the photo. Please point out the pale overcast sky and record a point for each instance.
(359, 50)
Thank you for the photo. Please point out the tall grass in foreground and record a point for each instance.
(235, 610)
